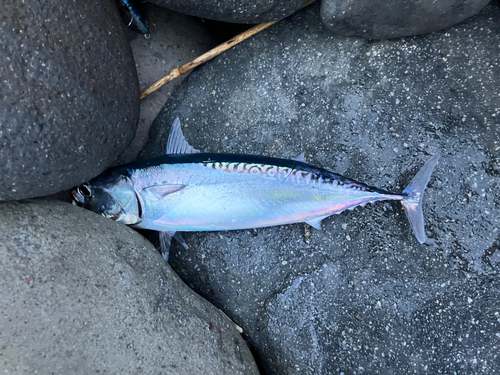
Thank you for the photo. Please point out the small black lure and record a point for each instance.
(137, 21)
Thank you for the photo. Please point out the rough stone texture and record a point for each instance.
(85, 295)
(385, 19)
(69, 94)
(361, 296)
(237, 11)
(175, 40)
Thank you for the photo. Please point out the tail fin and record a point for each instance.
(413, 196)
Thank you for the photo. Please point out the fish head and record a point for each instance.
(111, 195)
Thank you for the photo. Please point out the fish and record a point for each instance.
(185, 190)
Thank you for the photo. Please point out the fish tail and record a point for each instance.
(413, 196)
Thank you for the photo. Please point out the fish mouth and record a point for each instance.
(79, 201)
(80, 193)
(114, 217)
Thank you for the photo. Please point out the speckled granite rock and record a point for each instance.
(239, 11)
(395, 18)
(69, 94)
(361, 296)
(81, 294)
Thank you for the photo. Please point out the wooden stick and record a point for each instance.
(186, 68)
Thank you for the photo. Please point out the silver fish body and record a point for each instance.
(226, 195)
(190, 191)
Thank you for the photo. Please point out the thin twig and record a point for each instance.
(186, 68)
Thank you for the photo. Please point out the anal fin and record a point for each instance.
(316, 222)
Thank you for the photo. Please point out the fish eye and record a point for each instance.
(84, 190)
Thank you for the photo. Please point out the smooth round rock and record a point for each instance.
(82, 294)
(362, 295)
(69, 94)
(384, 19)
(240, 11)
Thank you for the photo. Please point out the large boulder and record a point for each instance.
(69, 94)
(362, 295)
(81, 294)
(239, 11)
(383, 19)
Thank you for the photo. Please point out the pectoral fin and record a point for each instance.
(176, 143)
(158, 192)
(166, 242)
(316, 222)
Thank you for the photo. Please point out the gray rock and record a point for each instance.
(362, 295)
(82, 294)
(69, 94)
(395, 18)
(240, 11)
(175, 40)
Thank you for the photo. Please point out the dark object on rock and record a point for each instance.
(386, 19)
(357, 297)
(135, 20)
(239, 11)
(69, 94)
(84, 295)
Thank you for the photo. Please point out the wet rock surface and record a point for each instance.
(241, 11)
(82, 294)
(360, 296)
(395, 18)
(69, 94)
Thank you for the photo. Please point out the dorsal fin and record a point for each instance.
(176, 143)
(300, 157)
